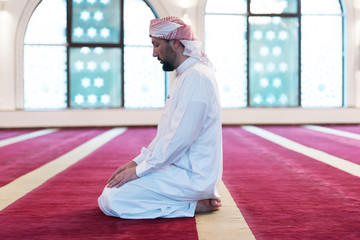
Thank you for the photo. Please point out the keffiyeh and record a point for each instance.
(170, 28)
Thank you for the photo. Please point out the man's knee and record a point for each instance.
(105, 202)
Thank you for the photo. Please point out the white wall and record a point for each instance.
(8, 22)
(15, 13)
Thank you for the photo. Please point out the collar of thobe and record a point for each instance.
(185, 65)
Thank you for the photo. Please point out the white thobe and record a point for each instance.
(183, 163)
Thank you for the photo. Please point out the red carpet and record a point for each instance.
(65, 207)
(281, 194)
(286, 195)
(22, 157)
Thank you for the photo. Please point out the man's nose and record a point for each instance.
(154, 53)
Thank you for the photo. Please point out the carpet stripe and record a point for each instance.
(347, 128)
(27, 136)
(334, 131)
(9, 133)
(28, 182)
(228, 223)
(333, 161)
(338, 146)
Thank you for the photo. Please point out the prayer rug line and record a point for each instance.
(334, 131)
(26, 136)
(28, 182)
(339, 163)
(227, 223)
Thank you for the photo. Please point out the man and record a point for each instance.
(178, 173)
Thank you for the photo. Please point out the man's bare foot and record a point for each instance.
(208, 205)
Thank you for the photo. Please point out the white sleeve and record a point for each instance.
(145, 153)
(185, 126)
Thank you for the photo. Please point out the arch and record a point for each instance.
(158, 6)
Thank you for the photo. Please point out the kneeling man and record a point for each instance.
(178, 173)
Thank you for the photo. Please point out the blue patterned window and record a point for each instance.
(277, 53)
(92, 54)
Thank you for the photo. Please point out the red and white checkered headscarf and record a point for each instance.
(170, 28)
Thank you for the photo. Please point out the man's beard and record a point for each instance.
(167, 67)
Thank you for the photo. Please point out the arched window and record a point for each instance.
(91, 54)
(277, 53)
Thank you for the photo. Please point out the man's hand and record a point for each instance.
(122, 175)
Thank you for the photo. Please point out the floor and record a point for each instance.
(279, 182)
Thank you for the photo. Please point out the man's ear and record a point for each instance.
(176, 43)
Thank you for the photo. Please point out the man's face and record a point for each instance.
(162, 49)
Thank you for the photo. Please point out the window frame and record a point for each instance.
(298, 15)
(70, 44)
(30, 8)
(121, 45)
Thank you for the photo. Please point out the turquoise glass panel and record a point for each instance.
(95, 21)
(95, 77)
(273, 6)
(273, 62)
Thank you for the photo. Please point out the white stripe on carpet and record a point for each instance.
(321, 156)
(227, 223)
(334, 131)
(28, 182)
(26, 136)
